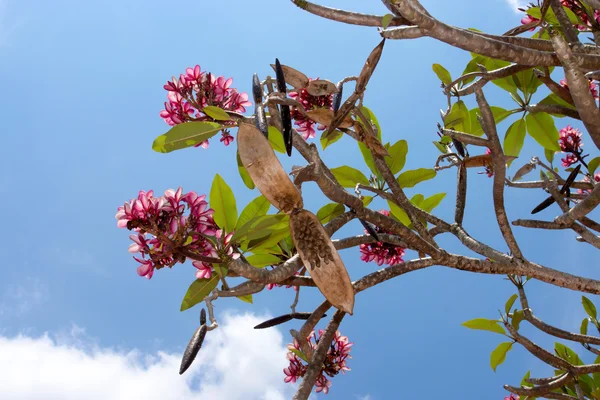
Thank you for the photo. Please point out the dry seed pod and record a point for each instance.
(565, 189)
(324, 116)
(370, 230)
(524, 170)
(321, 87)
(259, 110)
(274, 321)
(322, 260)
(192, 349)
(337, 98)
(294, 77)
(459, 147)
(483, 160)
(304, 315)
(369, 67)
(266, 171)
(202, 317)
(286, 119)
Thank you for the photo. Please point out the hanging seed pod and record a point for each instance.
(202, 317)
(459, 147)
(524, 170)
(565, 189)
(294, 77)
(322, 260)
(369, 229)
(483, 160)
(259, 109)
(192, 349)
(369, 67)
(324, 116)
(304, 315)
(266, 171)
(321, 87)
(337, 98)
(286, 118)
(274, 321)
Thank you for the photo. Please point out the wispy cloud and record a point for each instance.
(236, 362)
(21, 298)
(515, 4)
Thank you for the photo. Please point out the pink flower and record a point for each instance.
(587, 179)
(569, 160)
(306, 127)
(226, 138)
(512, 397)
(379, 252)
(204, 270)
(570, 139)
(593, 87)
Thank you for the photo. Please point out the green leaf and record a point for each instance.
(367, 200)
(256, 208)
(593, 165)
(517, 317)
(567, 354)
(269, 240)
(216, 113)
(299, 354)
(441, 147)
(221, 270)
(417, 199)
(385, 21)
(329, 212)
(260, 226)
(442, 73)
(472, 67)
(510, 302)
(484, 324)
(410, 178)
(540, 126)
(549, 154)
(524, 381)
(276, 140)
(432, 202)
(499, 354)
(515, 137)
(397, 157)
(491, 64)
(185, 135)
(458, 118)
(349, 177)
(198, 291)
(368, 157)
(263, 260)
(222, 201)
(499, 113)
(554, 99)
(589, 307)
(584, 326)
(246, 299)
(244, 174)
(399, 214)
(328, 140)
(371, 117)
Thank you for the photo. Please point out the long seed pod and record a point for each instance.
(337, 98)
(274, 321)
(322, 260)
(303, 315)
(192, 348)
(202, 317)
(565, 189)
(459, 147)
(266, 171)
(286, 118)
(370, 230)
(259, 109)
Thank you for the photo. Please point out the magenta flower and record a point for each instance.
(379, 252)
(306, 127)
(593, 87)
(335, 361)
(204, 270)
(569, 160)
(512, 397)
(587, 179)
(570, 139)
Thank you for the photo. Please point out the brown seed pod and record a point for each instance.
(324, 116)
(294, 77)
(266, 171)
(286, 119)
(202, 317)
(321, 87)
(192, 348)
(483, 160)
(322, 260)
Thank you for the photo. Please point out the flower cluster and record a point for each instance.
(577, 10)
(512, 397)
(306, 127)
(170, 222)
(587, 179)
(381, 253)
(335, 361)
(195, 90)
(593, 87)
(570, 143)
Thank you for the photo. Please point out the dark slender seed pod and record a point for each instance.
(571, 178)
(369, 229)
(259, 110)
(203, 317)
(543, 205)
(565, 189)
(337, 98)
(274, 321)
(286, 118)
(303, 315)
(459, 147)
(192, 348)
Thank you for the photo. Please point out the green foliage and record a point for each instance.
(263, 260)
(385, 21)
(185, 135)
(541, 127)
(510, 302)
(499, 113)
(328, 140)
(198, 291)
(246, 299)
(329, 212)
(222, 201)
(397, 157)
(244, 174)
(276, 140)
(399, 213)
(499, 354)
(256, 208)
(589, 307)
(442, 73)
(484, 324)
(216, 113)
(517, 317)
(593, 165)
(349, 177)
(432, 202)
(515, 137)
(410, 178)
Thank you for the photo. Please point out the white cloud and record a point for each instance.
(235, 362)
(515, 4)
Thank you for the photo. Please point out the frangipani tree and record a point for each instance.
(291, 246)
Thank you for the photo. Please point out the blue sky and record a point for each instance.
(83, 89)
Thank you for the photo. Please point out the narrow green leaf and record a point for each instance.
(256, 208)
(567, 354)
(584, 326)
(185, 135)
(515, 137)
(510, 302)
(417, 199)
(246, 299)
(484, 324)
(244, 174)
(432, 202)
(399, 214)
(263, 260)
(276, 140)
(442, 73)
(410, 178)
(260, 225)
(368, 157)
(458, 118)
(397, 157)
(499, 354)
(540, 126)
(524, 381)
(593, 165)
(216, 113)
(269, 240)
(328, 140)
(589, 307)
(329, 212)
(198, 291)
(517, 317)
(222, 201)
(441, 147)
(385, 21)
(349, 177)
(549, 154)
(367, 200)
(299, 354)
